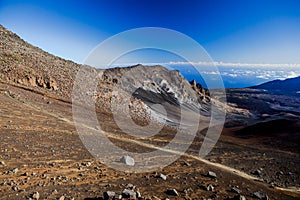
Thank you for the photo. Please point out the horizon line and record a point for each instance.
(213, 63)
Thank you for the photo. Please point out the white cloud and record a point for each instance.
(232, 71)
(218, 64)
(292, 74)
(231, 64)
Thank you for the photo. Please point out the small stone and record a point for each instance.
(172, 192)
(186, 163)
(235, 190)
(188, 190)
(15, 170)
(109, 195)
(212, 174)
(261, 195)
(280, 172)
(127, 160)
(239, 197)
(2, 163)
(25, 174)
(62, 198)
(138, 195)
(36, 195)
(88, 164)
(210, 187)
(128, 194)
(162, 176)
(257, 172)
(22, 190)
(130, 186)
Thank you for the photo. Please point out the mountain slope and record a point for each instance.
(24, 64)
(291, 84)
(28, 66)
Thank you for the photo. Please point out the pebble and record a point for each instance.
(130, 186)
(127, 160)
(236, 190)
(162, 176)
(25, 174)
(261, 195)
(172, 192)
(88, 164)
(36, 195)
(210, 187)
(109, 195)
(257, 172)
(138, 195)
(212, 174)
(239, 197)
(129, 194)
(15, 170)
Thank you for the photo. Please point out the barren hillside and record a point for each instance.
(42, 155)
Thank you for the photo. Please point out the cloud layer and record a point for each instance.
(234, 75)
(230, 64)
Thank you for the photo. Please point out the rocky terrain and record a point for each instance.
(42, 156)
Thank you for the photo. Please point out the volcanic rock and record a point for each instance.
(127, 160)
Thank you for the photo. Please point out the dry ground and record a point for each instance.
(38, 137)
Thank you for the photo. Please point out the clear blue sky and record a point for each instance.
(247, 31)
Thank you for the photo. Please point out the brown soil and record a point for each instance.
(38, 138)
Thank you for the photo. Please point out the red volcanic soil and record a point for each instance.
(38, 138)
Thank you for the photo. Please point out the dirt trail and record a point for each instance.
(292, 190)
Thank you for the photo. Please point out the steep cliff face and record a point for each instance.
(145, 87)
(154, 84)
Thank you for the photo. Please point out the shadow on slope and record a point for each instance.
(282, 134)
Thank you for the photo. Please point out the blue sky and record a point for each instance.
(231, 31)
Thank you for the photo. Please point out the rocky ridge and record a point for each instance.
(28, 66)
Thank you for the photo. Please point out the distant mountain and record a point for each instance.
(291, 84)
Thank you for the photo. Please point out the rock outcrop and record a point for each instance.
(141, 86)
